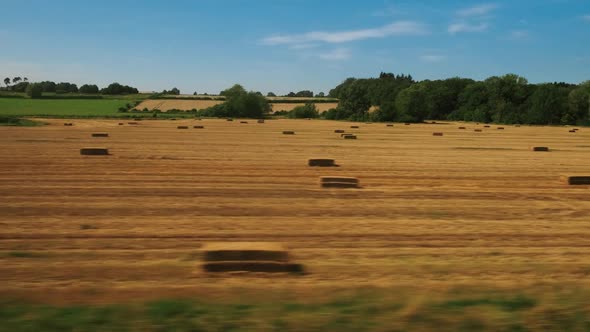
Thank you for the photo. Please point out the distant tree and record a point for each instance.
(235, 91)
(411, 103)
(578, 104)
(16, 80)
(7, 81)
(48, 86)
(26, 79)
(20, 87)
(547, 105)
(259, 93)
(118, 89)
(195, 93)
(240, 103)
(173, 91)
(354, 103)
(271, 94)
(304, 93)
(291, 94)
(320, 95)
(66, 87)
(89, 89)
(34, 90)
(308, 110)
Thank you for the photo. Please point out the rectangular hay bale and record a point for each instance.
(338, 182)
(182, 127)
(100, 135)
(321, 162)
(349, 136)
(253, 266)
(437, 134)
(338, 131)
(540, 148)
(288, 132)
(244, 251)
(576, 179)
(94, 151)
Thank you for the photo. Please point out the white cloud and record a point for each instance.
(401, 28)
(519, 34)
(479, 10)
(302, 46)
(336, 54)
(388, 12)
(466, 27)
(432, 58)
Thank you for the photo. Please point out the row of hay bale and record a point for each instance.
(194, 127)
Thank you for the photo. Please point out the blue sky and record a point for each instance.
(290, 45)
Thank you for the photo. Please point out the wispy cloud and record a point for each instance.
(466, 27)
(338, 54)
(388, 12)
(401, 28)
(479, 10)
(432, 58)
(586, 17)
(304, 46)
(519, 34)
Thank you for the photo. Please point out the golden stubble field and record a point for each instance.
(467, 208)
(187, 105)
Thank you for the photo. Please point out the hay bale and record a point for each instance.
(248, 257)
(388, 125)
(100, 135)
(500, 128)
(339, 131)
(132, 123)
(478, 130)
(94, 151)
(182, 127)
(338, 182)
(173, 119)
(199, 127)
(354, 127)
(576, 179)
(486, 126)
(260, 121)
(288, 132)
(229, 119)
(321, 162)
(462, 128)
(540, 148)
(437, 134)
(573, 131)
(68, 124)
(244, 251)
(245, 122)
(349, 136)
(121, 123)
(345, 134)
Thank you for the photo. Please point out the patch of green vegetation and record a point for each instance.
(24, 254)
(72, 108)
(387, 311)
(507, 304)
(14, 121)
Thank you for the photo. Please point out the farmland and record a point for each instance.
(467, 228)
(61, 107)
(186, 105)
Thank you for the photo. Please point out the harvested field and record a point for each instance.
(471, 210)
(187, 105)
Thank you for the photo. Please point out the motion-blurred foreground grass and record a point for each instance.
(545, 309)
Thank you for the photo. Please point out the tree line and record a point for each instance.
(18, 84)
(506, 99)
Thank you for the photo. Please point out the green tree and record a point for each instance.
(309, 110)
(411, 103)
(34, 90)
(7, 81)
(354, 103)
(271, 94)
(89, 89)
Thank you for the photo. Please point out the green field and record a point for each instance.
(71, 108)
(386, 310)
